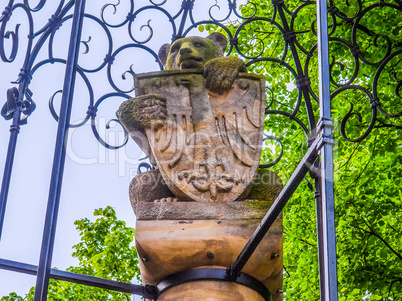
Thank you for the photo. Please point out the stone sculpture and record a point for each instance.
(201, 124)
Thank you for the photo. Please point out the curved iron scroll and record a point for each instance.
(293, 55)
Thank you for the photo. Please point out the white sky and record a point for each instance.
(94, 177)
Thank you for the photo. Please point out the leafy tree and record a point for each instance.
(105, 251)
(368, 167)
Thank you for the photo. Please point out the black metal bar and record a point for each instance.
(101, 283)
(45, 260)
(79, 278)
(18, 267)
(186, 5)
(325, 204)
(14, 130)
(213, 274)
(304, 166)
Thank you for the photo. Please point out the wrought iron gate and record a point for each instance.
(318, 160)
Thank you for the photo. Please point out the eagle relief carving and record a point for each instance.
(200, 122)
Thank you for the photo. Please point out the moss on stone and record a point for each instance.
(258, 205)
(191, 52)
(266, 186)
(228, 62)
(125, 115)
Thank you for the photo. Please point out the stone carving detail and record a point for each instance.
(200, 121)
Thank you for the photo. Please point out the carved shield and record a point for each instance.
(209, 147)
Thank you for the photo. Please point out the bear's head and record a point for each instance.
(192, 52)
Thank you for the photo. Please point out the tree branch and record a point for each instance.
(307, 243)
(365, 167)
(382, 239)
(350, 157)
(284, 267)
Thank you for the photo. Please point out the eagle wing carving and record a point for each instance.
(210, 145)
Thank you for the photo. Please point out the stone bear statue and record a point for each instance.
(141, 112)
(220, 72)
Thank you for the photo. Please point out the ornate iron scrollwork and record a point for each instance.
(284, 22)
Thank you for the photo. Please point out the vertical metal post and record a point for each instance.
(325, 201)
(49, 231)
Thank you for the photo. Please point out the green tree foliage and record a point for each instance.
(368, 172)
(106, 251)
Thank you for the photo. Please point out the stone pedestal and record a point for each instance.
(174, 237)
(176, 240)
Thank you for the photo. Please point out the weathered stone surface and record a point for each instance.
(148, 187)
(166, 247)
(200, 121)
(209, 146)
(210, 291)
(266, 186)
(248, 209)
(173, 237)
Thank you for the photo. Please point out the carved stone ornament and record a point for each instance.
(209, 146)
